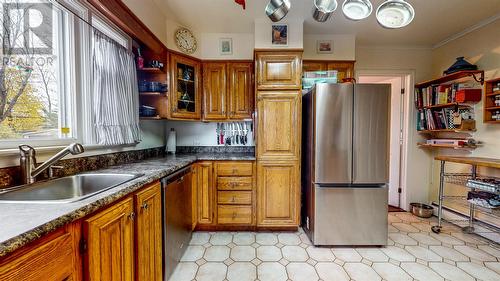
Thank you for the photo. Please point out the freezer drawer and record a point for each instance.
(350, 216)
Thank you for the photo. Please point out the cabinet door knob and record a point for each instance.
(145, 206)
(131, 216)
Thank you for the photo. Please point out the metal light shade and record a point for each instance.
(277, 9)
(395, 13)
(323, 9)
(357, 9)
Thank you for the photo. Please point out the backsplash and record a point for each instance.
(9, 176)
(216, 149)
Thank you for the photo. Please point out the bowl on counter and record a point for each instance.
(421, 210)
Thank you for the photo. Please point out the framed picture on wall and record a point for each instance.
(324, 46)
(226, 46)
(280, 34)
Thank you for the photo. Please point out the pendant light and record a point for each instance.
(395, 13)
(323, 9)
(357, 9)
(277, 9)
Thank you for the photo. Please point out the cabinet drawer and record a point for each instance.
(234, 169)
(52, 260)
(234, 214)
(234, 197)
(234, 183)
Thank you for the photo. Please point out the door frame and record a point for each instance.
(408, 77)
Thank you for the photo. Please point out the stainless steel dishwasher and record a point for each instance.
(176, 195)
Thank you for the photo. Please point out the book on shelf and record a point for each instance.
(441, 119)
(440, 94)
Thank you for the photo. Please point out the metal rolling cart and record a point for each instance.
(461, 179)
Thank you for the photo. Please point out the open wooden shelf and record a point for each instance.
(151, 118)
(492, 108)
(454, 76)
(444, 105)
(425, 145)
(489, 106)
(152, 93)
(446, 131)
(151, 70)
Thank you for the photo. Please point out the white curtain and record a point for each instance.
(115, 96)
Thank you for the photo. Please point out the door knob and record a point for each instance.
(145, 206)
(131, 216)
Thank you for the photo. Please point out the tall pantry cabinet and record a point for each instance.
(278, 96)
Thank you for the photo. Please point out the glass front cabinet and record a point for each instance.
(185, 96)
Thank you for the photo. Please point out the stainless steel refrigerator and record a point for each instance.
(345, 163)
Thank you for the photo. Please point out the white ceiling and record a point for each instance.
(435, 20)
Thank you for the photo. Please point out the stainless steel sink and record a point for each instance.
(66, 189)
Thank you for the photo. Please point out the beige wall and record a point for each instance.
(392, 60)
(151, 14)
(481, 47)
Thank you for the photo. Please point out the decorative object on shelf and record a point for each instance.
(241, 2)
(276, 10)
(187, 74)
(459, 65)
(185, 40)
(324, 46)
(156, 64)
(147, 111)
(226, 46)
(357, 9)
(279, 34)
(152, 86)
(323, 9)
(139, 59)
(395, 14)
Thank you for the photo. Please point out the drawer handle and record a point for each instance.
(232, 200)
(145, 206)
(232, 185)
(235, 170)
(234, 215)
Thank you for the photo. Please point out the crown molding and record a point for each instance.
(467, 31)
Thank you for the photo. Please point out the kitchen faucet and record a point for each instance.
(29, 170)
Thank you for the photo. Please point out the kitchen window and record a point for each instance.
(36, 82)
(45, 76)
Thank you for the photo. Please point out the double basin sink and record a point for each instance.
(65, 190)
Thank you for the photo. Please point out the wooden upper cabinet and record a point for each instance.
(240, 90)
(278, 193)
(278, 125)
(185, 88)
(149, 233)
(205, 192)
(110, 243)
(313, 66)
(279, 70)
(214, 91)
(345, 69)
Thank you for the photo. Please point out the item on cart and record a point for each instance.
(484, 199)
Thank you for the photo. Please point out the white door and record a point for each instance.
(396, 135)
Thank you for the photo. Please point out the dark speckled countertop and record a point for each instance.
(24, 223)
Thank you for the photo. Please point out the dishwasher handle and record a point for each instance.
(177, 176)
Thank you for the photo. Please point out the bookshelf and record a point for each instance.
(446, 106)
(491, 93)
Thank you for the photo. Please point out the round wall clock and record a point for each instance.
(185, 40)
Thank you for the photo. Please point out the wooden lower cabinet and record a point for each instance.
(54, 257)
(148, 230)
(205, 192)
(110, 243)
(278, 193)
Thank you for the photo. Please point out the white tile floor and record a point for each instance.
(413, 253)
